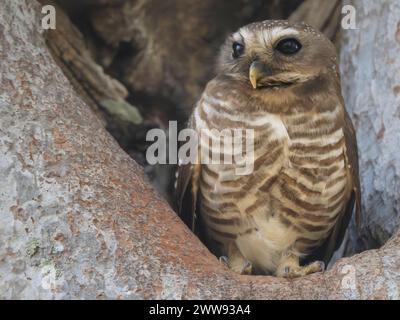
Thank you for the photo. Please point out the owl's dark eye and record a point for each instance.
(238, 49)
(289, 46)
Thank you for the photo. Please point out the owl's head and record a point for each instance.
(277, 54)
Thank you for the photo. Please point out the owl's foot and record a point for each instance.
(236, 261)
(247, 268)
(301, 271)
(242, 267)
(224, 260)
(290, 267)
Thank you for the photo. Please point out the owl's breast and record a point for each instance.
(314, 187)
(230, 200)
(295, 191)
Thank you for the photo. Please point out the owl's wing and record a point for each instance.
(335, 239)
(186, 191)
(186, 194)
(352, 159)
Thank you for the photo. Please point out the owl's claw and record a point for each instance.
(289, 266)
(243, 267)
(286, 270)
(224, 260)
(246, 268)
(322, 266)
(300, 271)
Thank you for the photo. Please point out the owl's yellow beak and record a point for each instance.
(257, 71)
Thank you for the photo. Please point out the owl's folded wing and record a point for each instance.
(186, 195)
(186, 189)
(339, 230)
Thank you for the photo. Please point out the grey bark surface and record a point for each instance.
(79, 220)
(370, 62)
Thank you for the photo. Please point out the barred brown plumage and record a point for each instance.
(298, 200)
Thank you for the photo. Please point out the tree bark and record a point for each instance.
(79, 220)
(370, 61)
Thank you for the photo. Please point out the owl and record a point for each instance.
(288, 216)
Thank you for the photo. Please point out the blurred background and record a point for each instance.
(142, 63)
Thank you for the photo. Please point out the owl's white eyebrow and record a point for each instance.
(238, 36)
(280, 32)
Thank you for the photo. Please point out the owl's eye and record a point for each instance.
(289, 46)
(238, 49)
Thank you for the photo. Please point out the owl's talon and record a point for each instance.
(286, 270)
(224, 260)
(321, 266)
(247, 268)
(236, 261)
(290, 268)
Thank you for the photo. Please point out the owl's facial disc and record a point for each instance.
(276, 54)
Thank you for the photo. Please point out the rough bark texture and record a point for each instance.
(371, 85)
(78, 219)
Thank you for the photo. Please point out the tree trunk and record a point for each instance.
(370, 62)
(79, 220)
